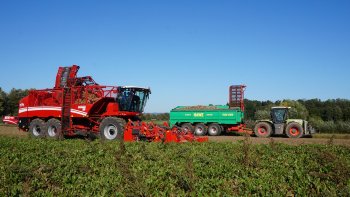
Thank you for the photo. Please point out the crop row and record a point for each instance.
(97, 168)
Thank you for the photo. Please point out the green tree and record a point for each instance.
(262, 114)
(251, 106)
(314, 106)
(3, 98)
(346, 113)
(297, 110)
(333, 110)
(145, 116)
(14, 97)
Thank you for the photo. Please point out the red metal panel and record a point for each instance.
(236, 96)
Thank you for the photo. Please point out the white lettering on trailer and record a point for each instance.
(198, 114)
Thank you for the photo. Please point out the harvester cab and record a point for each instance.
(133, 99)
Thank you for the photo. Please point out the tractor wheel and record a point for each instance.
(200, 129)
(214, 129)
(112, 128)
(263, 129)
(54, 129)
(187, 127)
(294, 130)
(37, 128)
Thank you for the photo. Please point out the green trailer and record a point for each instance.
(212, 119)
(207, 119)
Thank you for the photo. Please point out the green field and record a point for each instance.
(79, 167)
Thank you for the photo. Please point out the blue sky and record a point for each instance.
(188, 52)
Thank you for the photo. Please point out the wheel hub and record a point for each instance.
(294, 131)
(52, 131)
(199, 130)
(110, 132)
(36, 130)
(262, 130)
(213, 130)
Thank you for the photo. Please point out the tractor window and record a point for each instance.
(132, 99)
(279, 115)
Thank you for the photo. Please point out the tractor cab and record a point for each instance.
(132, 99)
(279, 115)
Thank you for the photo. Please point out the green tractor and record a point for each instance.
(280, 124)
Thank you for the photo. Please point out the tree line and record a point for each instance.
(155, 116)
(332, 115)
(9, 101)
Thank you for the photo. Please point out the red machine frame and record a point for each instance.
(79, 102)
(78, 105)
(236, 96)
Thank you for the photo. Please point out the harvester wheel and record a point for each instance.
(294, 130)
(263, 129)
(187, 127)
(214, 129)
(37, 128)
(54, 129)
(112, 128)
(200, 129)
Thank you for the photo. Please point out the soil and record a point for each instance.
(8, 130)
(290, 141)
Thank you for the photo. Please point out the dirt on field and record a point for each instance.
(9, 130)
(290, 141)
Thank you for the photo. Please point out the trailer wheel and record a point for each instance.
(187, 127)
(214, 129)
(294, 130)
(200, 129)
(37, 128)
(263, 129)
(112, 128)
(54, 129)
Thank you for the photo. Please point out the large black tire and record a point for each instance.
(294, 130)
(54, 129)
(200, 129)
(214, 129)
(37, 128)
(112, 128)
(263, 129)
(187, 127)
